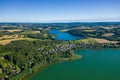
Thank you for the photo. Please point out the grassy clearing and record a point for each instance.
(74, 57)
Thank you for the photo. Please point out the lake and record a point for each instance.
(103, 64)
(64, 35)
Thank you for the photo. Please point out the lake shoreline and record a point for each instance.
(74, 57)
(102, 61)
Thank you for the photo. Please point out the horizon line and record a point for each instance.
(68, 22)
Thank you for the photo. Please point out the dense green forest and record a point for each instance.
(20, 58)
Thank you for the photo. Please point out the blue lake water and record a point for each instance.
(64, 35)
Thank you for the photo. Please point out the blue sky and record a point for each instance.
(59, 10)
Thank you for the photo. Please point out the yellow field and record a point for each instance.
(88, 41)
(9, 38)
(104, 40)
(98, 40)
(6, 39)
(4, 42)
(14, 30)
(89, 30)
(109, 27)
(108, 34)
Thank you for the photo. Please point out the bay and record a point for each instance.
(102, 64)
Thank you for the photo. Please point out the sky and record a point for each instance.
(59, 10)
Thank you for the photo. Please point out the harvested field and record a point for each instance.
(4, 42)
(98, 40)
(108, 34)
(6, 39)
(89, 30)
(104, 41)
(14, 30)
(109, 27)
